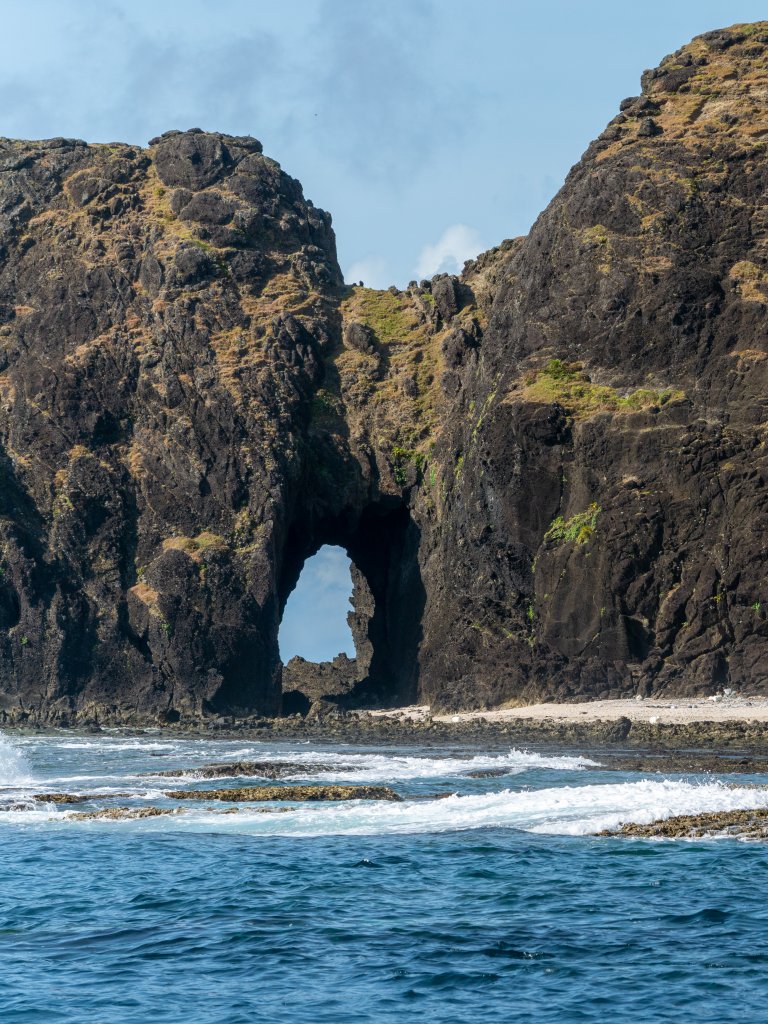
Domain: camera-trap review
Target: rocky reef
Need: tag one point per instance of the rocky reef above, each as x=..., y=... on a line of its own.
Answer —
x=751, y=825
x=549, y=472
x=293, y=793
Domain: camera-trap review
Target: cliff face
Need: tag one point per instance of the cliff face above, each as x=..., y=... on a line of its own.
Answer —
x=621, y=467
x=549, y=473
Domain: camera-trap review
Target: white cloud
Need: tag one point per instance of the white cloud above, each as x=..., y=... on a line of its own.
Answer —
x=371, y=270
x=457, y=244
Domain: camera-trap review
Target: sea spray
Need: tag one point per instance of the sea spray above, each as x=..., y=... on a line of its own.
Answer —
x=562, y=810
x=14, y=769
x=545, y=794
x=390, y=768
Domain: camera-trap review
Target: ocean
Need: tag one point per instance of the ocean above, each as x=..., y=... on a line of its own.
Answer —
x=482, y=897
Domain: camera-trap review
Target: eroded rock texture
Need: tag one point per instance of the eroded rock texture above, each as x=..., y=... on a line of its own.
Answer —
x=550, y=474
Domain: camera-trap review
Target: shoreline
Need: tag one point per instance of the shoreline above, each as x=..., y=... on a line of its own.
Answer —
x=653, y=710
x=728, y=725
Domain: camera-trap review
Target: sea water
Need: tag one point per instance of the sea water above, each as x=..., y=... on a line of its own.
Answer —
x=481, y=898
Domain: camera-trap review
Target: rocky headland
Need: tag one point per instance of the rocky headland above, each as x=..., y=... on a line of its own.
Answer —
x=549, y=472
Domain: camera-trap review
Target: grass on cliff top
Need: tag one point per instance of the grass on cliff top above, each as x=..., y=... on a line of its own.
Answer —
x=392, y=318
x=567, y=385
x=724, y=96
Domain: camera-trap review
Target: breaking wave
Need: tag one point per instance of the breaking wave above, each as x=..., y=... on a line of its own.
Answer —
x=14, y=768
x=564, y=810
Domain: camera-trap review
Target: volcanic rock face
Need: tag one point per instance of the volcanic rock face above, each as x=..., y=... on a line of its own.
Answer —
x=549, y=473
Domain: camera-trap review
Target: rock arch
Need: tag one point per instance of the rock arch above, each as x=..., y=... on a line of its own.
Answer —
x=388, y=599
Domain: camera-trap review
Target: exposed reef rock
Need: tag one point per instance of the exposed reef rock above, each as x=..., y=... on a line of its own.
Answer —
x=260, y=769
x=302, y=794
x=63, y=798
x=123, y=813
x=733, y=824
x=136, y=813
x=549, y=473
x=686, y=763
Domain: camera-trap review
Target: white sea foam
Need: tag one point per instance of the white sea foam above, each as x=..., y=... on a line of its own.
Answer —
x=14, y=769
x=113, y=744
x=122, y=780
x=566, y=810
x=387, y=768
x=554, y=809
x=393, y=768
x=594, y=808
x=340, y=765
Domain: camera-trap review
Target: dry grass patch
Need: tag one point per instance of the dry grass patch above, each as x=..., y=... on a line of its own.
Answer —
x=566, y=384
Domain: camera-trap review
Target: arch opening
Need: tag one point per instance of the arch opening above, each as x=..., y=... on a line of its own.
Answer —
x=387, y=601
x=315, y=623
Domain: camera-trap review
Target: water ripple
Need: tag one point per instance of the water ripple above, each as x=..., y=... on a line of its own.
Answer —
x=508, y=914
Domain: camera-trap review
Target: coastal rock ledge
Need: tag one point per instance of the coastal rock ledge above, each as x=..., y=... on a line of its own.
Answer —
x=549, y=472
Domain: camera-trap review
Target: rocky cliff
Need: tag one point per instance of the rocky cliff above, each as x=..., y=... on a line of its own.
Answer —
x=550, y=473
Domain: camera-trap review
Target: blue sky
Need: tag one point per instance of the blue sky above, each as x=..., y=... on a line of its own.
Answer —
x=315, y=619
x=430, y=129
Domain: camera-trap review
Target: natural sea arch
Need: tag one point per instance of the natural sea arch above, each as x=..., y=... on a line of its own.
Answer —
x=387, y=602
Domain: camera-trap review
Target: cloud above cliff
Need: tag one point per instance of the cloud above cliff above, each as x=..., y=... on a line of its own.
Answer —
x=457, y=244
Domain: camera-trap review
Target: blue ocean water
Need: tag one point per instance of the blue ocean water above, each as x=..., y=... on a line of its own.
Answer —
x=494, y=904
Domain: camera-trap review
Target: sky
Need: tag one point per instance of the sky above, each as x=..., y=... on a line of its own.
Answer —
x=315, y=619
x=430, y=129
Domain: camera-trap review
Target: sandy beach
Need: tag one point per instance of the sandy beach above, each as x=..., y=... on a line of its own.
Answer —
x=672, y=711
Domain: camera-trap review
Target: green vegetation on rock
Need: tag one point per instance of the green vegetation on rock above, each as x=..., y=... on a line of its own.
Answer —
x=390, y=317
x=401, y=458
x=325, y=406
x=576, y=530
x=568, y=385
